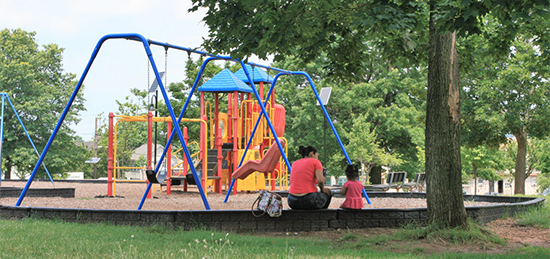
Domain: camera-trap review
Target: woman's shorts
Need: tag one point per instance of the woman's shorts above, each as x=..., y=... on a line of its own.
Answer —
x=310, y=201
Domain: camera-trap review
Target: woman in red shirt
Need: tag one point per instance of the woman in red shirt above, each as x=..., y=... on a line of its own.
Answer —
x=304, y=175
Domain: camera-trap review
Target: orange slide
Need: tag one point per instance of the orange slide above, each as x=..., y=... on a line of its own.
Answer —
x=265, y=165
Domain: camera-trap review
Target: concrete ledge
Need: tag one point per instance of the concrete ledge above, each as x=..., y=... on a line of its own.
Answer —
x=291, y=220
x=37, y=192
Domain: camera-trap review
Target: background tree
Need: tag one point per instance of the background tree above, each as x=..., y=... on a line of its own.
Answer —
x=509, y=96
x=363, y=147
x=485, y=163
x=390, y=102
x=542, y=149
x=393, y=103
x=34, y=80
x=536, y=160
x=341, y=28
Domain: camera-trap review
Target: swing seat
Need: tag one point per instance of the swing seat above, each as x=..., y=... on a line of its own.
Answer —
x=266, y=165
x=159, y=178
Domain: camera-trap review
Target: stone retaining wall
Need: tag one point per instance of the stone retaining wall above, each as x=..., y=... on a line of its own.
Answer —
x=37, y=192
x=291, y=220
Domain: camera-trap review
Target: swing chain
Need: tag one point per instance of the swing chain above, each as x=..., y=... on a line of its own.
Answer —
x=166, y=64
x=148, y=79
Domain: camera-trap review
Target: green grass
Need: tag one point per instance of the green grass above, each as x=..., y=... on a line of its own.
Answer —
x=432, y=234
x=32, y=238
x=536, y=217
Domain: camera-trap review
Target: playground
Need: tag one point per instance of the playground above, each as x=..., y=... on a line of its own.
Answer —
x=242, y=148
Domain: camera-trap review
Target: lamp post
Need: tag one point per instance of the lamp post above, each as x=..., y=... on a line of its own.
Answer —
x=325, y=96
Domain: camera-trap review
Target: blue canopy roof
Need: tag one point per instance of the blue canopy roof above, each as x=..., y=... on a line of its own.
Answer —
x=225, y=81
x=259, y=75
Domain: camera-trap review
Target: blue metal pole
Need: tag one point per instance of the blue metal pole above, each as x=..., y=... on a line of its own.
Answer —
x=61, y=119
x=68, y=106
x=28, y=136
x=326, y=116
x=146, y=43
x=262, y=106
x=129, y=36
x=185, y=149
x=1, y=137
x=202, y=53
x=254, y=132
x=332, y=126
x=174, y=120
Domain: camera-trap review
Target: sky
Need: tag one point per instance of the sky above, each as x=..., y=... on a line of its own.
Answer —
x=120, y=65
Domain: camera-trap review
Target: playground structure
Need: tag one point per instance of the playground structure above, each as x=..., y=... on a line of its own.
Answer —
x=114, y=170
x=263, y=113
x=219, y=149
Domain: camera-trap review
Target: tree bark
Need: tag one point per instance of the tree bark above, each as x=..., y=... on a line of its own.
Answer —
x=443, y=163
x=519, y=175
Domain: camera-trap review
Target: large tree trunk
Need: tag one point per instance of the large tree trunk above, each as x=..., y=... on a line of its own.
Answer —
x=443, y=164
x=519, y=175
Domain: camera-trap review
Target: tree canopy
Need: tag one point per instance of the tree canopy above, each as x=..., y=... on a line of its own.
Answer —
x=405, y=33
x=506, y=95
x=34, y=80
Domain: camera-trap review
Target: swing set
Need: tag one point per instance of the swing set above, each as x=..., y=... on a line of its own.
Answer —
x=5, y=98
x=177, y=131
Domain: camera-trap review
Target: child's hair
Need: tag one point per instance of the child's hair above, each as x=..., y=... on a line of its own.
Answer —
x=352, y=172
x=304, y=151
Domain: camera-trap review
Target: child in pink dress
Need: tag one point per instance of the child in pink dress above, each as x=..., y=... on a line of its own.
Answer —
x=352, y=189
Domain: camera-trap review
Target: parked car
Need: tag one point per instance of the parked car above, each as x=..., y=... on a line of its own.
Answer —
x=493, y=194
x=545, y=192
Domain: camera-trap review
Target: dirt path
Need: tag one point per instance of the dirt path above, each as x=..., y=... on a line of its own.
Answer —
x=516, y=235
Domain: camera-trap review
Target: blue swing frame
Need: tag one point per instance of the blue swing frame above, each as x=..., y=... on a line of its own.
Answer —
x=146, y=44
x=4, y=97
